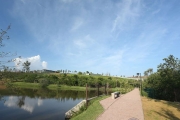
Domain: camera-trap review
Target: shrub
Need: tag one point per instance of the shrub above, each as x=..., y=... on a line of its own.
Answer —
x=43, y=83
x=30, y=77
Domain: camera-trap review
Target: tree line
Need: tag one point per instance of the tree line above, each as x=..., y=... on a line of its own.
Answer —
x=68, y=79
x=165, y=83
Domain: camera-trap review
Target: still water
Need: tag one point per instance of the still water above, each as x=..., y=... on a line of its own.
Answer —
x=38, y=104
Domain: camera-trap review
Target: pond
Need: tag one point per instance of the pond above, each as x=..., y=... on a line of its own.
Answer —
x=38, y=104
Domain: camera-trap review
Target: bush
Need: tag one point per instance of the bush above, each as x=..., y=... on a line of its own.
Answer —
x=58, y=84
x=53, y=79
x=30, y=77
x=144, y=93
x=43, y=83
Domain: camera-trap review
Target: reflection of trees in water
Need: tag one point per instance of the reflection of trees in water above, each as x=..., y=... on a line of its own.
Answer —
x=45, y=93
x=69, y=95
x=61, y=95
x=2, y=99
x=21, y=101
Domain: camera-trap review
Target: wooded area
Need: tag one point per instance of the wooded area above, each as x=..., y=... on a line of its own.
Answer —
x=165, y=83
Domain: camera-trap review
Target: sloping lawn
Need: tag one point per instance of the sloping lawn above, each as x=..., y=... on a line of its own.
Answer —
x=93, y=111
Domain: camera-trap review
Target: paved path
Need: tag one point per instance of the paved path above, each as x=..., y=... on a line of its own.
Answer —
x=125, y=107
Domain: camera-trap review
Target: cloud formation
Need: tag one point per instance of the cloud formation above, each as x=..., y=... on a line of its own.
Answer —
x=100, y=36
x=36, y=63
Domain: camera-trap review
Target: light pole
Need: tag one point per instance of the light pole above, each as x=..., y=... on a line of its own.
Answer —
x=140, y=81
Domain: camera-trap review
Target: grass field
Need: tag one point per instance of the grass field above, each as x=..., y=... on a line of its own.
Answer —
x=93, y=111
x=160, y=109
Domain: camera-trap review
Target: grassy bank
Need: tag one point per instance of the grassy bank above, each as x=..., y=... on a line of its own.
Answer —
x=160, y=109
x=65, y=87
x=25, y=85
x=51, y=86
x=93, y=111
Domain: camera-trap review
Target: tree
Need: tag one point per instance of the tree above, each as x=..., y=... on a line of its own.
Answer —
x=170, y=72
x=79, y=73
x=4, y=62
x=164, y=84
x=145, y=73
x=26, y=66
x=150, y=71
x=3, y=36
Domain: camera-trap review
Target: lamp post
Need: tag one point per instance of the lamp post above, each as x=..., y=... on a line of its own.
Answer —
x=140, y=81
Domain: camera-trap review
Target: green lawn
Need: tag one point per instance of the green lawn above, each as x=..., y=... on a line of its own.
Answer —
x=26, y=85
x=93, y=110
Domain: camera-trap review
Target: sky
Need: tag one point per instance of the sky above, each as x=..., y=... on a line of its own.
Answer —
x=120, y=37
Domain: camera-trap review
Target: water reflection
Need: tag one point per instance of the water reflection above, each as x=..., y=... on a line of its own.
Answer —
x=35, y=104
x=23, y=102
x=61, y=95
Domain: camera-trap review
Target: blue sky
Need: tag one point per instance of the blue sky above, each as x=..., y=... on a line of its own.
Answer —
x=120, y=37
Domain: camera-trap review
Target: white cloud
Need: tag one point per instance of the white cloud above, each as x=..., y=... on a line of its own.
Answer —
x=77, y=24
x=84, y=42
x=112, y=62
x=94, y=32
x=36, y=63
x=147, y=42
x=67, y=1
x=156, y=11
x=23, y=1
x=44, y=64
x=28, y=108
x=11, y=102
x=80, y=43
x=29, y=104
x=40, y=102
x=128, y=12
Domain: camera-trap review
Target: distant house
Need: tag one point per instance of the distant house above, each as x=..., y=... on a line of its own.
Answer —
x=95, y=74
x=37, y=71
x=48, y=71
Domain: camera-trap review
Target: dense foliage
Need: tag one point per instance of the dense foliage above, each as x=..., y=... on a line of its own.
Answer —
x=165, y=83
x=69, y=79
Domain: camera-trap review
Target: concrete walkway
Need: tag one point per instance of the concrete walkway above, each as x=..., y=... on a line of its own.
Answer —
x=125, y=107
